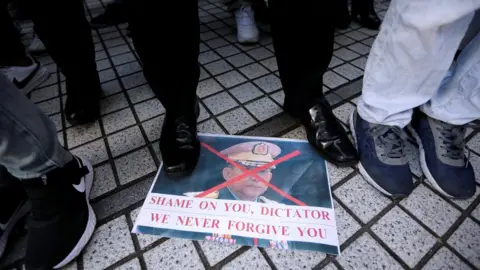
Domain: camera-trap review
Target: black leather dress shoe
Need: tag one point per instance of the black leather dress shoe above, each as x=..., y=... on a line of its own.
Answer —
x=364, y=13
x=179, y=145
x=326, y=135
x=80, y=112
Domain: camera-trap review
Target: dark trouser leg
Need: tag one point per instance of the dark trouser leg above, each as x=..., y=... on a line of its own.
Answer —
x=171, y=68
x=63, y=28
x=303, y=40
x=11, y=46
x=170, y=64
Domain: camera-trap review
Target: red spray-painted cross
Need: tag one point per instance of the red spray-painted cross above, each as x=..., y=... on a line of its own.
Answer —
x=253, y=173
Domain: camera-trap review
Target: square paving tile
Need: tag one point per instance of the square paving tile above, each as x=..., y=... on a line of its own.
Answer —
x=153, y=127
x=118, y=120
x=269, y=83
x=103, y=182
x=360, y=62
x=204, y=114
x=81, y=134
x=239, y=60
x=140, y=93
x=118, y=50
x=359, y=48
x=134, y=165
x=113, y=103
x=50, y=106
x=216, y=252
x=279, y=97
x=335, y=174
x=466, y=240
x=346, y=54
x=343, y=112
x=143, y=239
x=245, y=92
x=260, y=53
x=251, y=259
x=173, y=254
x=95, y=152
x=123, y=58
x=131, y=265
x=227, y=50
x=476, y=213
x=346, y=224
x=264, y=108
x=44, y=93
x=368, y=202
x=343, y=40
x=110, y=88
x=218, y=67
x=365, y=254
x=57, y=121
x=149, y=109
x=236, y=120
x=431, y=209
x=220, y=102
x=444, y=259
x=357, y=35
x=298, y=133
x=106, y=75
x=125, y=140
x=133, y=80
x=210, y=126
x=208, y=87
x=270, y=63
x=333, y=80
x=128, y=68
x=253, y=71
x=335, y=62
x=217, y=42
x=110, y=243
x=348, y=71
x=294, y=259
x=231, y=79
x=207, y=57
x=404, y=236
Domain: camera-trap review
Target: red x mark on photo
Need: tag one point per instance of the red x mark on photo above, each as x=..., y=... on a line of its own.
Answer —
x=252, y=173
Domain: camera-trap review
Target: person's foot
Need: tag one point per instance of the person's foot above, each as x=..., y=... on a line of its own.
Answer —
x=28, y=77
x=36, y=47
x=62, y=220
x=83, y=101
x=383, y=161
x=114, y=14
x=179, y=145
x=14, y=207
x=366, y=16
x=326, y=134
x=342, y=19
x=442, y=156
x=247, y=30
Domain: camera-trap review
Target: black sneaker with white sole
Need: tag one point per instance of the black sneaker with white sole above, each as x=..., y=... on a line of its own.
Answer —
x=13, y=206
x=62, y=220
x=26, y=78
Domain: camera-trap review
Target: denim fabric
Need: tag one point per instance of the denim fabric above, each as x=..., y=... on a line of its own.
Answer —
x=411, y=56
x=29, y=147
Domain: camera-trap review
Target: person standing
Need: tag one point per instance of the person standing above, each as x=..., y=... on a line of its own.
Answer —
x=362, y=11
x=414, y=51
x=68, y=39
x=172, y=70
x=34, y=164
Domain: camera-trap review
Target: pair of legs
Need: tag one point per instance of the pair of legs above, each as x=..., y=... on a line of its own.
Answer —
x=68, y=39
x=411, y=65
x=33, y=163
x=171, y=68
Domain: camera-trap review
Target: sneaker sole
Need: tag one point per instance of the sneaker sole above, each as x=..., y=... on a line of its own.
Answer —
x=362, y=170
x=92, y=220
x=41, y=76
x=17, y=216
x=423, y=164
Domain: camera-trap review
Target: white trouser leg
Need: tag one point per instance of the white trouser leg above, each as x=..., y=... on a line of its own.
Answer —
x=458, y=99
x=410, y=57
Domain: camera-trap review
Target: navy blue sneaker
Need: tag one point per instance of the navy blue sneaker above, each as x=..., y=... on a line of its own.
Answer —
x=383, y=161
x=442, y=156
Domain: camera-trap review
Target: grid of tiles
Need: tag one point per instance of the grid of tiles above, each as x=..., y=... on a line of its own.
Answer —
x=240, y=93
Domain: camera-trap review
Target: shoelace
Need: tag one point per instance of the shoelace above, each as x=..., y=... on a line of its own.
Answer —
x=246, y=11
x=453, y=138
x=184, y=136
x=391, y=139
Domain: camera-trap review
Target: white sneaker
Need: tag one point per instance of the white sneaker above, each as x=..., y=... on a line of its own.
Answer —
x=247, y=30
x=26, y=78
x=36, y=47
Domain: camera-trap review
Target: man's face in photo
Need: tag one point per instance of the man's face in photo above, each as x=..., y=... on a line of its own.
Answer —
x=248, y=188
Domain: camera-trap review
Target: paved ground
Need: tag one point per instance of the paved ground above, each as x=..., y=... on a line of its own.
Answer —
x=241, y=94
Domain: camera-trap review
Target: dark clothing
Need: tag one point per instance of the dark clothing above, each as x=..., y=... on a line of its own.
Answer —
x=63, y=28
x=302, y=37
